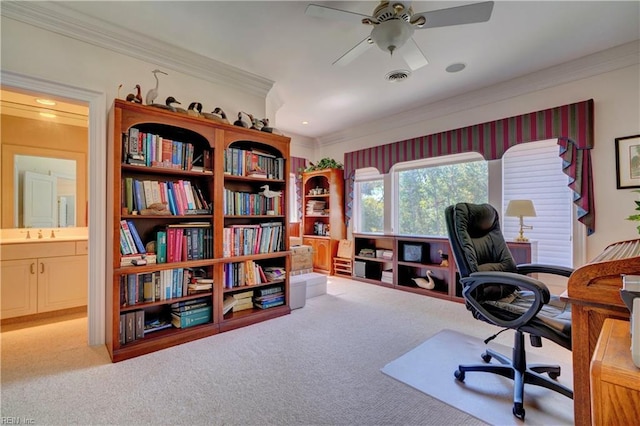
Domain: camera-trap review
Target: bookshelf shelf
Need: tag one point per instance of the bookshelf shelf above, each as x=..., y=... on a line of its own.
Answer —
x=185, y=164
x=323, y=220
x=425, y=255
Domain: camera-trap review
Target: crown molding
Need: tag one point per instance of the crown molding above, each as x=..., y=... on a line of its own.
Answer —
x=598, y=63
x=57, y=18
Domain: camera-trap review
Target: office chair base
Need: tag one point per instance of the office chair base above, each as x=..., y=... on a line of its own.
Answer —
x=519, y=372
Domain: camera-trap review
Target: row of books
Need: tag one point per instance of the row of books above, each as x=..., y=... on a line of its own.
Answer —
x=247, y=203
x=238, y=302
x=130, y=241
x=154, y=286
x=243, y=240
x=269, y=297
x=132, y=326
x=179, y=197
x=240, y=274
x=151, y=150
x=182, y=242
x=190, y=313
x=253, y=163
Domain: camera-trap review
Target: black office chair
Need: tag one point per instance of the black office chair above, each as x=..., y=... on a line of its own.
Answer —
x=500, y=293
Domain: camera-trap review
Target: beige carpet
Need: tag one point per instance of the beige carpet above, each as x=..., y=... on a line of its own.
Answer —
x=429, y=368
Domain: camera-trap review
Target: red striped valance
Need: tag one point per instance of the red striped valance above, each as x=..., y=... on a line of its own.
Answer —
x=571, y=124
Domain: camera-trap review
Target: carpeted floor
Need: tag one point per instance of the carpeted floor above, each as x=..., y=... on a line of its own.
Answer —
x=430, y=366
x=318, y=366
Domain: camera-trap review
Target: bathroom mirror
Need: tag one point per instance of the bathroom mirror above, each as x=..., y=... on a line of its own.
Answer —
x=48, y=188
x=44, y=192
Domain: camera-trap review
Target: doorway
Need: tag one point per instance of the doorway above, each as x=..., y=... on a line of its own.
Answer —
x=96, y=172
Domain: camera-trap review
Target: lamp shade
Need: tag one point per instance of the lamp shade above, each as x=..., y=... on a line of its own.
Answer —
x=392, y=34
x=521, y=208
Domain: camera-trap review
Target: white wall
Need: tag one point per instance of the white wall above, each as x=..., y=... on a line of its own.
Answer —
x=39, y=53
x=616, y=96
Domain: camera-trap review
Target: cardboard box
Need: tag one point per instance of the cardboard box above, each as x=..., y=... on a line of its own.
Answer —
x=301, y=258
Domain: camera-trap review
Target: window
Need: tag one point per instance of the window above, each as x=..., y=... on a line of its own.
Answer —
x=533, y=171
x=368, y=200
x=424, y=188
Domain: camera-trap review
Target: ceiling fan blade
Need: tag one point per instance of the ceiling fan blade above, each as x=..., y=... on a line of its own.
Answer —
x=355, y=51
x=413, y=55
x=469, y=14
x=336, y=14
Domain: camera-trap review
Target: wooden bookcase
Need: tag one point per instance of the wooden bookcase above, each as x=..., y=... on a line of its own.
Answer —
x=405, y=257
x=205, y=253
x=323, y=228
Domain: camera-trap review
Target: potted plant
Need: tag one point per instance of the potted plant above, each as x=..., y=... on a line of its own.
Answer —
x=325, y=163
x=636, y=217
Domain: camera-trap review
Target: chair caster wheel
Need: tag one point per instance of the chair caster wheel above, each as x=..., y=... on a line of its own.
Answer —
x=486, y=357
x=459, y=375
x=518, y=410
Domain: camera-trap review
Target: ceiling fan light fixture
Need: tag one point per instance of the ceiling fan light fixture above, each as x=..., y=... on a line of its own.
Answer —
x=391, y=35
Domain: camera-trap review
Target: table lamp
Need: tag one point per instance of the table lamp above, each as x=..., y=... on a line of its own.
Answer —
x=521, y=208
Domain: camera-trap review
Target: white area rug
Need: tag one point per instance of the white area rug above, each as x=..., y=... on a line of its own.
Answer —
x=429, y=368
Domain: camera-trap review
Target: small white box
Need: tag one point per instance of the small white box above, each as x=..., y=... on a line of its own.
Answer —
x=298, y=293
x=315, y=284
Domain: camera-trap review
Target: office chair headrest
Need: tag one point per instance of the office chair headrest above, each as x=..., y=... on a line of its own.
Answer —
x=481, y=219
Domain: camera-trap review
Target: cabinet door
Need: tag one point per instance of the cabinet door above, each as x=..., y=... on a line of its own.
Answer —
x=19, y=288
x=322, y=255
x=62, y=282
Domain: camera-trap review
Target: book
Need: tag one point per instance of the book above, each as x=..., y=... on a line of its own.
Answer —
x=161, y=246
x=184, y=321
x=127, y=260
x=228, y=304
x=136, y=237
x=269, y=305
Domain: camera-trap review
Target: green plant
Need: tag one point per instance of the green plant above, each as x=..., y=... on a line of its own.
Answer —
x=325, y=163
x=636, y=217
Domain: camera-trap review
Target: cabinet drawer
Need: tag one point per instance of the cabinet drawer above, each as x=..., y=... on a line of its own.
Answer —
x=32, y=250
x=82, y=247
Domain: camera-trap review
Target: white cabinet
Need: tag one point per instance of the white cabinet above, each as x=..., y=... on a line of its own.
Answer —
x=19, y=282
x=42, y=277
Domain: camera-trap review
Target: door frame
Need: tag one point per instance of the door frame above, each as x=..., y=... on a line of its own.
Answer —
x=97, y=175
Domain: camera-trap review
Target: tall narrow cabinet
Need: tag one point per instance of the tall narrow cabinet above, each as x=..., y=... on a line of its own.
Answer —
x=323, y=224
x=190, y=192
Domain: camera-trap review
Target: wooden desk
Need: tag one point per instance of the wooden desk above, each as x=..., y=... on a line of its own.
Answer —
x=615, y=380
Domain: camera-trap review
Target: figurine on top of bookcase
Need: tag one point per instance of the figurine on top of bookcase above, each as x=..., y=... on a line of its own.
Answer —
x=152, y=94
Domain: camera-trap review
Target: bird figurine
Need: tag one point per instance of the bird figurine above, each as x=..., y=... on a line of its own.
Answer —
x=135, y=98
x=427, y=282
x=256, y=124
x=153, y=93
x=240, y=122
x=170, y=101
x=269, y=193
x=195, y=109
x=219, y=112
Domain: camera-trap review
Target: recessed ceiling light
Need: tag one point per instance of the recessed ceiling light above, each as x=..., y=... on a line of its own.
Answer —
x=48, y=102
x=305, y=122
x=48, y=115
x=459, y=66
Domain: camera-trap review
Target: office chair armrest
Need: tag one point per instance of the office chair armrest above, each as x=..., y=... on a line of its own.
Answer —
x=538, y=268
x=478, y=279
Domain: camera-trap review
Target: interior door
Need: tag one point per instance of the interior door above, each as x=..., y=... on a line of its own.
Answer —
x=40, y=201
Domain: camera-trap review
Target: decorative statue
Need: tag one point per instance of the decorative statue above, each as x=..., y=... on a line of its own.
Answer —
x=137, y=97
x=153, y=93
x=269, y=193
x=195, y=109
x=240, y=122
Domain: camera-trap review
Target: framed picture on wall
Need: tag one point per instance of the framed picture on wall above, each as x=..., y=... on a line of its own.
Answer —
x=628, y=162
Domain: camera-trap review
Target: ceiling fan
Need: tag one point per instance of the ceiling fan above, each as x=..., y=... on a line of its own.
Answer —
x=393, y=25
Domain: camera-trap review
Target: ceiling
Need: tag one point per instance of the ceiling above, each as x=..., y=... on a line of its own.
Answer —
x=28, y=105
x=277, y=41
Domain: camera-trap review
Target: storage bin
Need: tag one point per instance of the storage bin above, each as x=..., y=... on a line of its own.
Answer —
x=298, y=293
